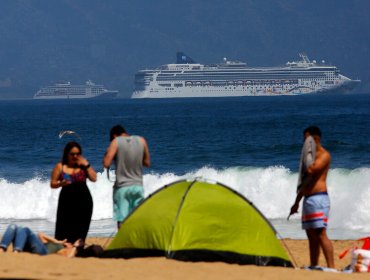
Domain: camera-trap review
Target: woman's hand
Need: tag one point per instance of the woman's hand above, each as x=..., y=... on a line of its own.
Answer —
x=64, y=183
x=82, y=162
x=64, y=241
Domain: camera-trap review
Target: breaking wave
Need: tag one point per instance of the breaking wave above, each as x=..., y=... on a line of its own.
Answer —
x=271, y=189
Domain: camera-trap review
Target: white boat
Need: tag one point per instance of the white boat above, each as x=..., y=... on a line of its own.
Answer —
x=69, y=91
x=186, y=78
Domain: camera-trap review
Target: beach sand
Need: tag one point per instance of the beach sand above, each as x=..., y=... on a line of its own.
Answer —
x=29, y=266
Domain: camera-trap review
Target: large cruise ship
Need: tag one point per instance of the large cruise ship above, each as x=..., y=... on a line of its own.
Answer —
x=69, y=91
x=186, y=78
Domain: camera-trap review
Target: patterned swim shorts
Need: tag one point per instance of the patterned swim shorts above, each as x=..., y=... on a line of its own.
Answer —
x=315, y=211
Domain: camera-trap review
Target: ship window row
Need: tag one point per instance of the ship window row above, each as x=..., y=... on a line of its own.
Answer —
x=142, y=82
x=72, y=88
x=237, y=77
x=237, y=82
x=253, y=71
x=244, y=74
x=141, y=85
x=72, y=91
x=248, y=74
x=182, y=76
x=143, y=76
x=258, y=71
x=251, y=79
x=194, y=78
x=230, y=90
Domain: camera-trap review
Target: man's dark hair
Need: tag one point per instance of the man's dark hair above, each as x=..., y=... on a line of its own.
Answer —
x=313, y=130
x=116, y=130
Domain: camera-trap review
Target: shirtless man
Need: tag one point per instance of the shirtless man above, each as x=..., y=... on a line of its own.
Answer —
x=316, y=203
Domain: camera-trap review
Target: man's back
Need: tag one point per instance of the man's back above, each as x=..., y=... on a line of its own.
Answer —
x=129, y=161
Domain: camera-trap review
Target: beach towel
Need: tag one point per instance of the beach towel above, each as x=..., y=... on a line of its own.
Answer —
x=308, y=155
x=320, y=268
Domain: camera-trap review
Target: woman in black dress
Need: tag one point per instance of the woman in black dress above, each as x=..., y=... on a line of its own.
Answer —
x=75, y=203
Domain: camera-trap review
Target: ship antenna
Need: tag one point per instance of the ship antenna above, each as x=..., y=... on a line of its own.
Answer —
x=304, y=57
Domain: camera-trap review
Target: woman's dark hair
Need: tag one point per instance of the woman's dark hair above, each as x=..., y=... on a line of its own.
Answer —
x=68, y=148
x=116, y=130
x=90, y=251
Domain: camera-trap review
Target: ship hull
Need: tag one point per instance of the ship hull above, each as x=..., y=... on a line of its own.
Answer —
x=78, y=96
x=239, y=91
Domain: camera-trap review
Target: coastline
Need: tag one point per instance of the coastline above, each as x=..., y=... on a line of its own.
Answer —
x=29, y=266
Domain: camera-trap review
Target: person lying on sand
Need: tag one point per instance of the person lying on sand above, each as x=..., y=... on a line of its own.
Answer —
x=25, y=240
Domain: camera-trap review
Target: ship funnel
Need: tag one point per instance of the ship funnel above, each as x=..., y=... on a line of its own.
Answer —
x=182, y=58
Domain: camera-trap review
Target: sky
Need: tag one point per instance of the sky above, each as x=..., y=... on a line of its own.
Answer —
x=43, y=42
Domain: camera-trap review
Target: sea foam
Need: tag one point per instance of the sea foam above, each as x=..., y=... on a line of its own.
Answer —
x=272, y=191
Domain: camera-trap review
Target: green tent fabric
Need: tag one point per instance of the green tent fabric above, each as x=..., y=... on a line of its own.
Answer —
x=199, y=220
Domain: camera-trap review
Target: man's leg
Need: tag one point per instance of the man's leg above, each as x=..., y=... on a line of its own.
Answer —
x=314, y=244
x=327, y=247
x=123, y=210
x=119, y=224
x=120, y=205
x=135, y=196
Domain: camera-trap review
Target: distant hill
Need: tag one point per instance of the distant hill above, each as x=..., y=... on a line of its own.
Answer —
x=42, y=41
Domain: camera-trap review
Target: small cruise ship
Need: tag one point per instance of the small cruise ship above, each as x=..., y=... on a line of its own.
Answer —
x=186, y=78
x=69, y=91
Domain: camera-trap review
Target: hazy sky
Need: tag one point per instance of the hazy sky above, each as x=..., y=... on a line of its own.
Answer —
x=108, y=41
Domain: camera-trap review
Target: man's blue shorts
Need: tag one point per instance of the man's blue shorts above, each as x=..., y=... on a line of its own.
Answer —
x=125, y=200
x=315, y=212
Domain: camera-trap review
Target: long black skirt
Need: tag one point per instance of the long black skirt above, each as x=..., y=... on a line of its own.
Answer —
x=74, y=212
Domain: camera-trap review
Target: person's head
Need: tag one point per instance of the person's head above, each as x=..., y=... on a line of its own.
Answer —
x=91, y=251
x=116, y=131
x=314, y=131
x=71, y=152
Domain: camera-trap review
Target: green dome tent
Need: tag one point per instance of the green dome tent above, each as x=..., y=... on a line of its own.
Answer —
x=197, y=220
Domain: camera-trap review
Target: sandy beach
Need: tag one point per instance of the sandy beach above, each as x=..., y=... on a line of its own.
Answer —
x=28, y=266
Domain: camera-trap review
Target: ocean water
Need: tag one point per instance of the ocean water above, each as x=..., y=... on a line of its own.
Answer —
x=251, y=144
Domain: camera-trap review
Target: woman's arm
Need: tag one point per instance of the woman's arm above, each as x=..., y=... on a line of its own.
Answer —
x=46, y=238
x=55, y=182
x=91, y=174
x=83, y=163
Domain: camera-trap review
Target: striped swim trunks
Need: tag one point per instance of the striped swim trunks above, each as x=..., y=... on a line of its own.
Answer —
x=315, y=212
